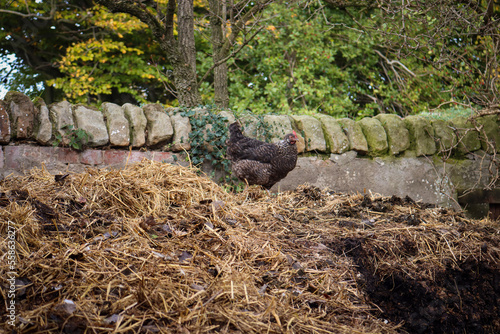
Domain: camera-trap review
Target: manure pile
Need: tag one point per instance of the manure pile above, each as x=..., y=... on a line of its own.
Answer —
x=156, y=248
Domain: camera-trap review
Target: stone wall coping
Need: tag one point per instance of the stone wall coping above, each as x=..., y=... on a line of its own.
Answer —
x=155, y=128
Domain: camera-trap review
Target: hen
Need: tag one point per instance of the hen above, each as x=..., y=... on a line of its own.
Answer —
x=257, y=162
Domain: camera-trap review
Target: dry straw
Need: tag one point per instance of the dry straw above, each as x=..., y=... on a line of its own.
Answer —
x=158, y=248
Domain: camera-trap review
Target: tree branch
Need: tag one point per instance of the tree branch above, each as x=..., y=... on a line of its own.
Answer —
x=134, y=9
x=391, y=62
x=169, y=23
x=53, y=9
x=234, y=53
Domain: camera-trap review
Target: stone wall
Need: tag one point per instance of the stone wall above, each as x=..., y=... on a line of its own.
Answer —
x=386, y=154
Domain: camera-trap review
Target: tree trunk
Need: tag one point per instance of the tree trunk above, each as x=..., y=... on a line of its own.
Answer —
x=184, y=73
x=184, y=60
x=221, y=94
x=217, y=22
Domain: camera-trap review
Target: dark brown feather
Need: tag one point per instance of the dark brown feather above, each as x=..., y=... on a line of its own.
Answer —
x=257, y=162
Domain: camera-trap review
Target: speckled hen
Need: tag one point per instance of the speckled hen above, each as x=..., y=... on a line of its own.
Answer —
x=261, y=163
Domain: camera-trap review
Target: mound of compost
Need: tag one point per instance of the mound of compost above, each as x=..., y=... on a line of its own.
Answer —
x=159, y=248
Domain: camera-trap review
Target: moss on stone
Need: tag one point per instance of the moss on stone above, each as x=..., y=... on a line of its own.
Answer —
x=489, y=134
x=313, y=132
x=445, y=136
x=421, y=135
x=375, y=136
x=336, y=140
x=357, y=140
x=468, y=136
x=398, y=137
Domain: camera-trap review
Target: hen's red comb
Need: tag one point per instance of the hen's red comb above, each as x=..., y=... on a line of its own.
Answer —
x=294, y=133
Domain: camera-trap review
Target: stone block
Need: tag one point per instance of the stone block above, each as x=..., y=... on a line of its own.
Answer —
x=421, y=135
x=489, y=134
x=398, y=137
x=182, y=128
x=172, y=110
x=115, y=157
x=92, y=122
x=336, y=140
x=354, y=133
x=22, y=115
x=117, y=124
x=278, y=126
x=122, y=157
x=467, y=135
x=137, y=156
x=229, y=115
x=253, y=126
x=445, y=136
x=273, y=128
x=312, y=132
x=61, y=117
x=22, y=158
x=344, y=158
x=159, y=126
x=137, y=122
x=43, y=127
x=230, y=119
x=4, y=124
x=47, y=154
x=375, y=136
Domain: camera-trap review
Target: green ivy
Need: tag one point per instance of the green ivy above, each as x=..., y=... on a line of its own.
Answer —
x=77, y=138
x=208, y=138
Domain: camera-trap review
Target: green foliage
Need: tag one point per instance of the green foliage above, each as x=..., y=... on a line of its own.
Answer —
x=317, y=71
x=83, y=53
x=208, y=139
x=294, y=66
x=355, y=61
x=108, y=65
x=448, y=47
x=96, y=67
x=77, y=139
x=311, y=59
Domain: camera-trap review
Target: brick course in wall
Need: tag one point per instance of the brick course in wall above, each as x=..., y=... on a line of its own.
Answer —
x=22, y=157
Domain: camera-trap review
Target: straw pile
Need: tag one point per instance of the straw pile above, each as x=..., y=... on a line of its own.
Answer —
x=156, y=248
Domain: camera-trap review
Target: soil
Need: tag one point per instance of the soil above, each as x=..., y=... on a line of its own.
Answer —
x=462, y=297
x=464, y=300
